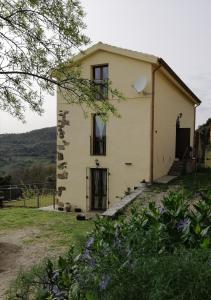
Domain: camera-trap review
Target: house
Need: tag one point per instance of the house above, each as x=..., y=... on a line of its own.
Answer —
x=203, y=145
x=97, y=162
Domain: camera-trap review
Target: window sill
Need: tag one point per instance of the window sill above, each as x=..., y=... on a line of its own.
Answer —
x=91, y=154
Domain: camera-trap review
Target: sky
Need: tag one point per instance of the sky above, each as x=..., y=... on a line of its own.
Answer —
x=179, y=31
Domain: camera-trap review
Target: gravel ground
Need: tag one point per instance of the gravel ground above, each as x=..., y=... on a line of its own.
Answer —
x=17, y=254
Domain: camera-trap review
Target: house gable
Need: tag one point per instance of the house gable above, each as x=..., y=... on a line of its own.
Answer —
x=147, y=58
x=123, y=71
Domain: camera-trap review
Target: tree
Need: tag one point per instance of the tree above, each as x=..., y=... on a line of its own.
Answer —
x=37, y=39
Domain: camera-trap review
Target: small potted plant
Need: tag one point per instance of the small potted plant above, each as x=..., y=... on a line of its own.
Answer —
x=81, y=217
x=143, y=183
x=60, y=206
x=68, y=207
x=77, y=209
x=128, y=191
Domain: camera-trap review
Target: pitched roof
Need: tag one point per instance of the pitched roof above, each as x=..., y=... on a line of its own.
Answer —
x=179, y=80
x=136, y=55
x=116, y=50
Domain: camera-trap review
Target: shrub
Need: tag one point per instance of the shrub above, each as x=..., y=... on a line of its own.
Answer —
x=180, y=221
x=183, y=275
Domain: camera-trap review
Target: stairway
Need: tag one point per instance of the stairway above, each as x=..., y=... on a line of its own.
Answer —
x=177, y=168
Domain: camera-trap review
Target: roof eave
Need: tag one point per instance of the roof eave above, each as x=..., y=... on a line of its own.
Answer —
x=115, y=50
x=179, y=80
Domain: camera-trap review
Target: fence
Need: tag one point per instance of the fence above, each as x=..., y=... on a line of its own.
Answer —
x=31, y=196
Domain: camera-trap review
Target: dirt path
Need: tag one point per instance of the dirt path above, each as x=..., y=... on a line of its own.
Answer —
x=16, y=252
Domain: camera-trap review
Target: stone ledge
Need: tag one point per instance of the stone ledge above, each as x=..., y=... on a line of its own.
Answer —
x=165, y=179
x=118, y=207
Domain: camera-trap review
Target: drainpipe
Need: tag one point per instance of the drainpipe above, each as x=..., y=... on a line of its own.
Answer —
x=153, y=122
x=194, y=127
x=195, y=151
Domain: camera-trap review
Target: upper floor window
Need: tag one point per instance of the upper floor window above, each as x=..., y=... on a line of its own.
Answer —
x=100, y=77
x=98, y=142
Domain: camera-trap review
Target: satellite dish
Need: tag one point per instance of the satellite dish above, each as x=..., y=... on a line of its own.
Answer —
x=140, y=84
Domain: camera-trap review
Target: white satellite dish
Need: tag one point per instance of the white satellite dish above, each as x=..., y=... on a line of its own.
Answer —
x=140, y=84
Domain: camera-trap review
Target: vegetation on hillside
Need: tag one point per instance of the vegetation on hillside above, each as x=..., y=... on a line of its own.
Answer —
x=28, y=157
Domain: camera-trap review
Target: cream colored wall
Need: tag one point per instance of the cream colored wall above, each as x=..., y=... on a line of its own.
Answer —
x=128, y=138
x=169, y=102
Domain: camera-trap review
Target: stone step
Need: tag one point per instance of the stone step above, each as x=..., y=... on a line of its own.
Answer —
x=175, y=173
x=176, y=168
x=120, y=205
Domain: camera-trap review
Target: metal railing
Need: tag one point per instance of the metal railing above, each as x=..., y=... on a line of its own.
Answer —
x=100, y=89
x=31, y=196
x=186, y=153
x=98, y=145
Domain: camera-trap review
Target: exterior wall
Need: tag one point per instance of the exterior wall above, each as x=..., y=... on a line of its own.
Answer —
x=128, y=137
x=169, y=103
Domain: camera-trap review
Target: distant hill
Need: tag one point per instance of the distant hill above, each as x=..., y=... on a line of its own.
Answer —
x=26, y=149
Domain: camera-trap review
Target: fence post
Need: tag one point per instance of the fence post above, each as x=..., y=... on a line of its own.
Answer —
x=1, y=200
x=38, y=199
x=54, y=200
x=10, y=192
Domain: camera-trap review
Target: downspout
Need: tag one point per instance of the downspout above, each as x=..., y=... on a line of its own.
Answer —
x=153, y=122
x=194, y=127
x=195, y=151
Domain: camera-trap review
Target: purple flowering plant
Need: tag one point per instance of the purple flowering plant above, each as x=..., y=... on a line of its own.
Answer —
x=104, y=282
x=178, y=222
x=183, y=224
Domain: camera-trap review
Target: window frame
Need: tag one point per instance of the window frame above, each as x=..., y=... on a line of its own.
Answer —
x=94, y=140
x=101, y=82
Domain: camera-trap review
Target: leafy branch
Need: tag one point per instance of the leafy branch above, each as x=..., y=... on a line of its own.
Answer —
x=36, y=37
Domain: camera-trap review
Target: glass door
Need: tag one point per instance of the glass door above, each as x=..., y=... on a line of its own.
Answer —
x=98, y=189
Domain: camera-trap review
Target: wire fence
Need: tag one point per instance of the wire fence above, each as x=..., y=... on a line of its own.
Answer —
x=31, y=195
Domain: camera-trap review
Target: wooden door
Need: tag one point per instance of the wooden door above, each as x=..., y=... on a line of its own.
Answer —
x=182, y=142
x=98, y=189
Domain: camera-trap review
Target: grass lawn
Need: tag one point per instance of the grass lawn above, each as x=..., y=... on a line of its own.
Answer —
x=57, y=228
